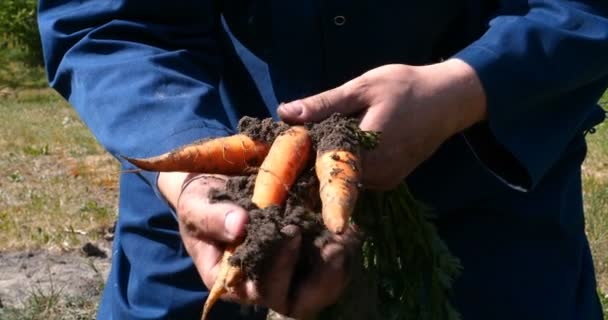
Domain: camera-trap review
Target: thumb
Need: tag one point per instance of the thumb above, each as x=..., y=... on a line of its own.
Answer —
x=319, y=107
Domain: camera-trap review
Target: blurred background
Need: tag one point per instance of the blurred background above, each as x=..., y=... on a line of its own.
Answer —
x=58, y=189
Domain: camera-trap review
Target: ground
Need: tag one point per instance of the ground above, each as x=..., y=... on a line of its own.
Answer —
x=58, y=193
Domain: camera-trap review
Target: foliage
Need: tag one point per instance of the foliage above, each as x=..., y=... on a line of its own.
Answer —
x=19, y=29
x=404, y=246
x=407, y=270
x=16, y=74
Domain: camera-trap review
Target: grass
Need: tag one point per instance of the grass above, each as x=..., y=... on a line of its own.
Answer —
x=54, y=177
x=595, y=185
x=52, y=304
x=16, y=73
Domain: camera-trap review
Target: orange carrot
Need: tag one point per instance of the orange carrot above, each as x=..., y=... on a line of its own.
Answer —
x=219, y=287
x=287, y=157
x=339, y=174
x=228, y=277
x=226, y=155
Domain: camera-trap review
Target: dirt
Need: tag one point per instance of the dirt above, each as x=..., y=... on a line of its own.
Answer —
x=265, y=130
x=267, y=231
x=337, y=132
x=271, y=227
x=69, y=274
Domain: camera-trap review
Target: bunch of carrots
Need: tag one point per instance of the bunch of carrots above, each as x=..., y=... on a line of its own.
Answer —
x=278, y=164
x=406, y=269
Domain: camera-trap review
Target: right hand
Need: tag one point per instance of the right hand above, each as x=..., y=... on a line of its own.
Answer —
x=206, y=228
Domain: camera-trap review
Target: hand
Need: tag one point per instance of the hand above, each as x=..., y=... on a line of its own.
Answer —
x=415, y=108
x=206, y=228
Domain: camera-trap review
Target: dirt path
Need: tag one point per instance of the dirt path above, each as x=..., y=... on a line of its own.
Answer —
x=23, y=274
x=43, y=273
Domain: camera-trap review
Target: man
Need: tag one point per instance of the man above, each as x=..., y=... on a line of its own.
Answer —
x=483, y=107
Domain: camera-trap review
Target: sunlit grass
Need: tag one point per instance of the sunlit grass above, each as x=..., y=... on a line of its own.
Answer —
x=595, y=185
x=56, y=183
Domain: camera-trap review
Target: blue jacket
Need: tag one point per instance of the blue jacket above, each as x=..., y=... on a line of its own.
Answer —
x=147, y=76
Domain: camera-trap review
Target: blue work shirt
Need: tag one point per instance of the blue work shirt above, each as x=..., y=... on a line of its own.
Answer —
x=148, y=76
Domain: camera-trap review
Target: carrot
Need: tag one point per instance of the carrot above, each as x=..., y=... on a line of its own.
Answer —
x=219, y=287
x=287, y=157
x=226, y=155
x=339, y=174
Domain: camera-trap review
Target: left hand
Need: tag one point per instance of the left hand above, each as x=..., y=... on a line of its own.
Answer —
x=415, y=108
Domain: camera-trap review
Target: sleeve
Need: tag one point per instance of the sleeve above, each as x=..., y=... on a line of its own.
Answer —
x=543, y=66
x=142, y=74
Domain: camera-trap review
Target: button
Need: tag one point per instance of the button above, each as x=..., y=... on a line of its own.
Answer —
x=339, y=20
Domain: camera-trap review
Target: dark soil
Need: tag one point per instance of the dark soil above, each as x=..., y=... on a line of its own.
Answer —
x=265, y=130
x=337, y=132
x=268, y=229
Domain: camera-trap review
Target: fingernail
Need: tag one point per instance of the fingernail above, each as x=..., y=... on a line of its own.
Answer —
x=232, y=224
x=291, y=109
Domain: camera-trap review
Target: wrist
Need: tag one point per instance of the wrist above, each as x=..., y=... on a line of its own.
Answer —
x=462, y=99
x=170, y=185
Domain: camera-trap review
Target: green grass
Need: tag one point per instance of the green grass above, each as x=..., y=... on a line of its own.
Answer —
x=604, y=300
x=15, y=73
x=55, y=179
x=53, y=304
x=595, y=185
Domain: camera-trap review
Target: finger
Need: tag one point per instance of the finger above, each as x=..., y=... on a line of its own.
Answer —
x=343, y=99
x=206, y=256
x=351, y=239
x=329, y=277
x=244, y=293
x=273, y=287
x=323, y=287
x=222, y=222
x=275, y=284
